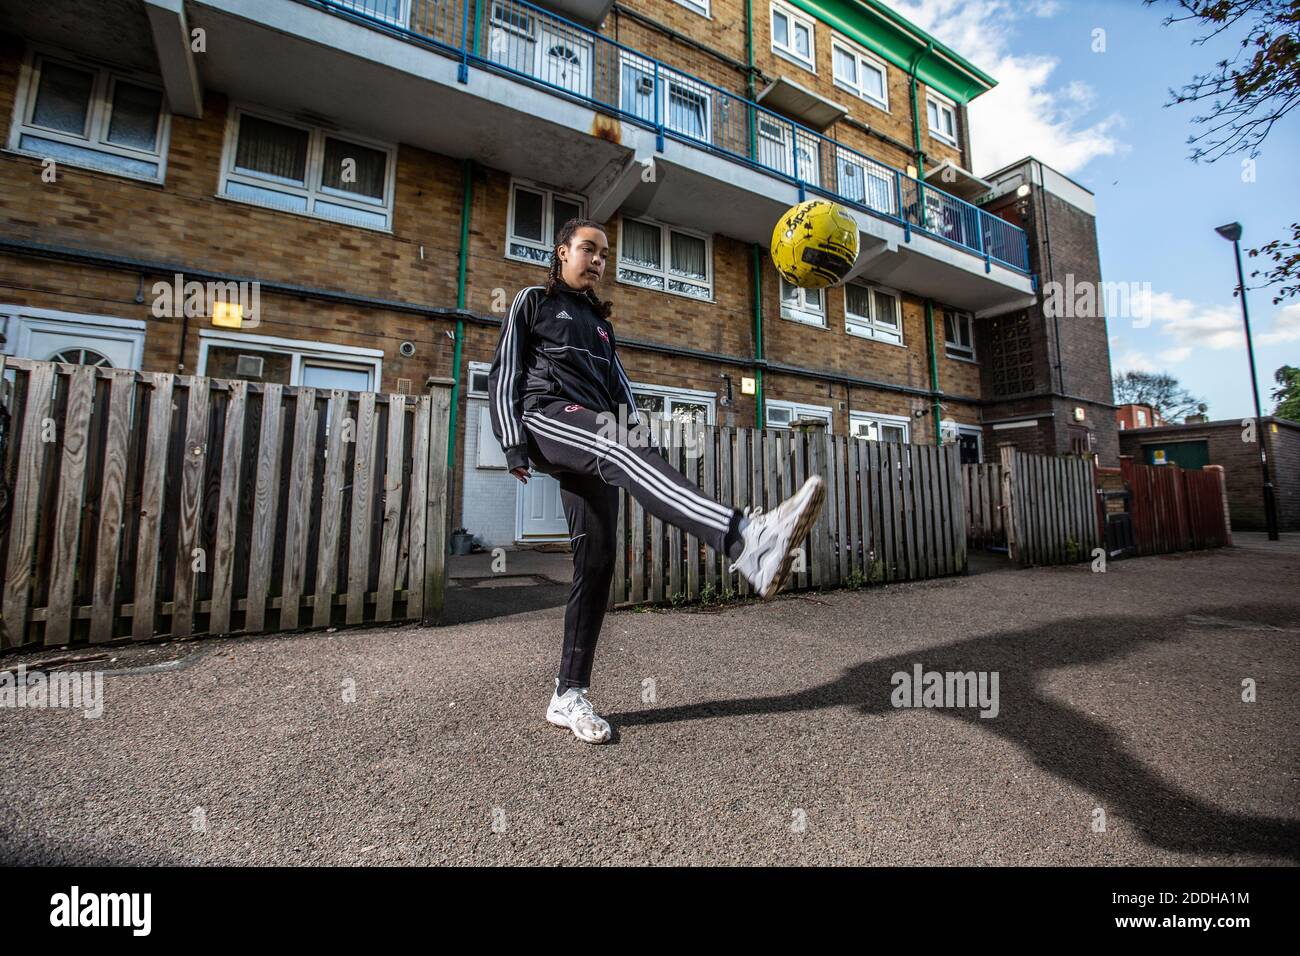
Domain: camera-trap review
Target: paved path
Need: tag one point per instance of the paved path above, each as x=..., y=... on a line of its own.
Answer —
x=771, y=736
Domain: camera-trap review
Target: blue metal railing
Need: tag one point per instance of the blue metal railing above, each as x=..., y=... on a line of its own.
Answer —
x=544, y=48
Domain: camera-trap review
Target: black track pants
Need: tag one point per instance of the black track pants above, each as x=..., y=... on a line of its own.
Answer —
x=591, y=462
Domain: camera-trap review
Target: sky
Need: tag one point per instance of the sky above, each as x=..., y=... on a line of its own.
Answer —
x=1100, y=117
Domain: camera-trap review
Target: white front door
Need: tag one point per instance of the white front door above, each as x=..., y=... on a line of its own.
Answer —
x=49, y=336
x=541, y=510
x=564, y=60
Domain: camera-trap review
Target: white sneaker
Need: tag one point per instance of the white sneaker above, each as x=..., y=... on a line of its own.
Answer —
x=572, y=709
x=771, y=538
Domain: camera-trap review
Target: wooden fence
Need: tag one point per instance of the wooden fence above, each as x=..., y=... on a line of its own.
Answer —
x=985, y=524
x=1051, y=513
x=148, y=504
x=893, y=511
x=1175, y=510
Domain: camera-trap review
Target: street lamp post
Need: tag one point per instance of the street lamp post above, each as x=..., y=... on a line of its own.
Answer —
x=1232, y=232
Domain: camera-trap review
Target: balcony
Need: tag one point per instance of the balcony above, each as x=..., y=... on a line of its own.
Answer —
x=525, y=90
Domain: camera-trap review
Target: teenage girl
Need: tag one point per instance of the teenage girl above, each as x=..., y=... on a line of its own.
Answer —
x=560, y=399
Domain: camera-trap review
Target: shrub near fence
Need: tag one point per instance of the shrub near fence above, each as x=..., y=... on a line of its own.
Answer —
x=148, y=504
x=893, y=511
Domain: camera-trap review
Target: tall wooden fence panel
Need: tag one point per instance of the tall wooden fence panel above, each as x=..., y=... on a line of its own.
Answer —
x=1173, y=509
x=1052, y=513
x=893, y=512
x=146, y=504
x=985, y=507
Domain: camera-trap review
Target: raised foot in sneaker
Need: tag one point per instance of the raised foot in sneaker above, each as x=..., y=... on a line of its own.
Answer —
x=772, y=537
x=572, y=709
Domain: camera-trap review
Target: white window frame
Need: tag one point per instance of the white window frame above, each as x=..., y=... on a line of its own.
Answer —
x=809, y=170
x=949, y=346
x=870, y=326
x=669, y=394
x=876, y=420
x=301, y=351
x=702, y=7
x=869, y=170
x=794, y=16
x=18, y=322
x=665, y=247
x=98, y=115
x=477, y=368
x=803, y=312
x=942, y=103
x=313, y=190
x=548, y=219
x=798, y=410
x=667, y=79
x=863, y=58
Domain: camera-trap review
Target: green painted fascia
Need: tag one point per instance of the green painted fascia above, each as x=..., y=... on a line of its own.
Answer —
x=897, y=40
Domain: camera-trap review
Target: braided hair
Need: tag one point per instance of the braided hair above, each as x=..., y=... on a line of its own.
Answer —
x=553, y=277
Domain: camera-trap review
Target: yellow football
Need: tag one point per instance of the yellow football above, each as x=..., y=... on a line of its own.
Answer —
x=815, y=244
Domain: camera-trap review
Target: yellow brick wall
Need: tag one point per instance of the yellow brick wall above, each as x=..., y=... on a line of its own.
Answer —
x=724, y=33
x=184, y=222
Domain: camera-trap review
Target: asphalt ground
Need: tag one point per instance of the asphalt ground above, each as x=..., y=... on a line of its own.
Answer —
x=759, y=733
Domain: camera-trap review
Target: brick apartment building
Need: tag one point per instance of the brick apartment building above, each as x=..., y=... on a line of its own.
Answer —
x=390, y=172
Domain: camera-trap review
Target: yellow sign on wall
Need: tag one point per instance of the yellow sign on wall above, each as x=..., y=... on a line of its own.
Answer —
x=228, y=315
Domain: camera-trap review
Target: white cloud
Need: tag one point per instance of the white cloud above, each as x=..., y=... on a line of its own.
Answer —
x=1134, y=361
x=1195, y=326
x=1024, y=114
x=1286, y=327
x=1176, y=355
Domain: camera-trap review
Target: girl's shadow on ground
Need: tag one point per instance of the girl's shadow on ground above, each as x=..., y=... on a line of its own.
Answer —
x=1062, y=741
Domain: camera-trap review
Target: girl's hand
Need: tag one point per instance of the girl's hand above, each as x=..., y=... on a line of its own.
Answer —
x=521, y=474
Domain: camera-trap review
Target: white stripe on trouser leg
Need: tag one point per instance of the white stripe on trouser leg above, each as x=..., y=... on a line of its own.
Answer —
x=653, y=487
x=690, y=498
x=675, y=496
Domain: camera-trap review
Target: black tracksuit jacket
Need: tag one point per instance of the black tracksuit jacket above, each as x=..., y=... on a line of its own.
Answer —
x=553, y=347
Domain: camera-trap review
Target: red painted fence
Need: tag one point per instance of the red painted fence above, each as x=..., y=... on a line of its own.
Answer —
x=1173, y=509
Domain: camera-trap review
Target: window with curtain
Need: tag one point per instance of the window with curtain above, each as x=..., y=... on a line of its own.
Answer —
x=872, y=312
x=536, y=217
x=942, y=117
x=298, y=168
x=859, y=73
x=792, y=36
x=802, y=305
x=353, y=169
x=659, y=257
x=92, y=117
